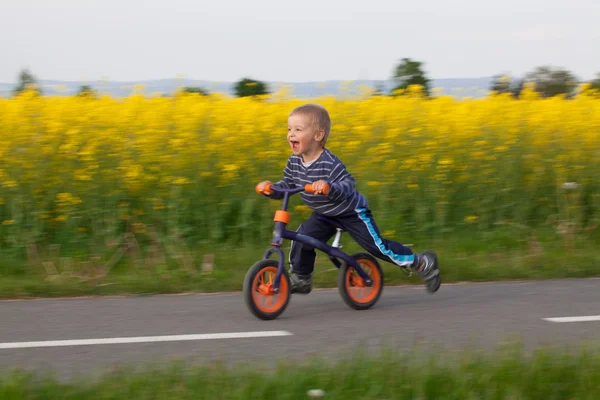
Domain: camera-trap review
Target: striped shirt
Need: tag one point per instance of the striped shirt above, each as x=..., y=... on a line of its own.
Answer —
x=342, y=197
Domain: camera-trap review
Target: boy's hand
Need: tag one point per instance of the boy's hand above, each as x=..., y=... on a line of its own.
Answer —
x=320, y=187
x=263, y=188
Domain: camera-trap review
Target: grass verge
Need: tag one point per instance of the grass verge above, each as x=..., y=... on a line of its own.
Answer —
x=506, y=373
x=504, y=254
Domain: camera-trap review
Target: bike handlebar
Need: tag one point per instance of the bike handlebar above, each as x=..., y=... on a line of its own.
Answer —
x=269, y=188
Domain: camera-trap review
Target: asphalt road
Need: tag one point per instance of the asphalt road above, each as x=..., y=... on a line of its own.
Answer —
x=457, y=317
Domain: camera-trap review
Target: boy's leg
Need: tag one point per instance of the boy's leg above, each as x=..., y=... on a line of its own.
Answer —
x=363, y=229
x=302, y=256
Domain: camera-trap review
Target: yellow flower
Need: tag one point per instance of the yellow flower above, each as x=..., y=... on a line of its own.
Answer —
x=181, y=181
x=104, y=158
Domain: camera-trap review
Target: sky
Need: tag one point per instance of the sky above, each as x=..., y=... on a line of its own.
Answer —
x=294, y=41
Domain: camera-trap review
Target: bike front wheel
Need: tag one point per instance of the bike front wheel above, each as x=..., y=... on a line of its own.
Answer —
x=259, y=296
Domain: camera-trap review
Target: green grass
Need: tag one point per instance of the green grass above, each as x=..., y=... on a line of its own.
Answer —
x=505, y=254
x=508, y=373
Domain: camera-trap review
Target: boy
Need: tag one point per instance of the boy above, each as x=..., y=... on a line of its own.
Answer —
x=308, y=129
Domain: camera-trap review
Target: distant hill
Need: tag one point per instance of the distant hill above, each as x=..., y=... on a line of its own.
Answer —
x=459, y=87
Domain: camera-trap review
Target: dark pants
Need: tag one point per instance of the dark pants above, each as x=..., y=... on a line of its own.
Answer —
x=361, y=227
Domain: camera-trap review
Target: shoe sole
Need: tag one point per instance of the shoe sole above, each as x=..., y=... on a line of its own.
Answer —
x=302, y=290
x=433, y=283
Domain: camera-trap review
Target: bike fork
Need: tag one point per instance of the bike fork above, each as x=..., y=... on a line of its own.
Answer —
x=276, y=249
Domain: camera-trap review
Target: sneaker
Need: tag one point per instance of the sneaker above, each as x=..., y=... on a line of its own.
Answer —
x=301, y=284
x=428, y=269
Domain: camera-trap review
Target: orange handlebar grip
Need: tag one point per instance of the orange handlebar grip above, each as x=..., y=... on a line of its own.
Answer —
x=265, y=189
x=309, y=188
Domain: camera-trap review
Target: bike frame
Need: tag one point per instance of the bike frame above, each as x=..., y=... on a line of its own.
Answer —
x=280, y=233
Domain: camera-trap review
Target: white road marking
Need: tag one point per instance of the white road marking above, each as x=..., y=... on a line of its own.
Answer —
x=143, y=339
x=574, y=319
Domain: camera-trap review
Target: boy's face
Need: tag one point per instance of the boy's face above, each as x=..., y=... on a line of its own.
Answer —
x=303, y=136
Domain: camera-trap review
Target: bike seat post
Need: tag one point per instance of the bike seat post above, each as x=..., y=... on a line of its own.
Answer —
x=336, y=240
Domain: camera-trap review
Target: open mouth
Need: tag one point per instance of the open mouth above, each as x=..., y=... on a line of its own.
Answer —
x=295, y=144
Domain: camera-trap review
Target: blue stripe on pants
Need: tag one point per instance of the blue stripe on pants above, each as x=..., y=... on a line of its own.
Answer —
x=399, y=259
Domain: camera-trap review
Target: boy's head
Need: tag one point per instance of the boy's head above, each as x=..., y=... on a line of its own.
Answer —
x=308, y=128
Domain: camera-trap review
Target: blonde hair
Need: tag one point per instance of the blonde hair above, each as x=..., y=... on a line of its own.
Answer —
x=319, y=115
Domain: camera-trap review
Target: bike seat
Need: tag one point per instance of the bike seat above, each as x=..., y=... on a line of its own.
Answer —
x=331, y=222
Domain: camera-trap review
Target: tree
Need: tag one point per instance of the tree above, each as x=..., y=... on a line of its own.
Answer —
x=409, y=72
x=379, y=90
x=26, y=81
x=86, y=91
x=595, y=84
x=250, y=87
x=550, y=81
x=505, y=84
x=518, y=88
x=501, y=84
x=194, y=89
x=592, y=87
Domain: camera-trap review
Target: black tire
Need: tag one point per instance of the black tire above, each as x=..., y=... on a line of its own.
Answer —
x=377, y=287
x=285, y=290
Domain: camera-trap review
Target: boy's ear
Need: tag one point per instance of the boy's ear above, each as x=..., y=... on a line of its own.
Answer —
x=320, y=135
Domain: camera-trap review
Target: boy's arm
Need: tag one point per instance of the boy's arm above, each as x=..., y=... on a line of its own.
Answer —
x=287, y=182
x=342, y=184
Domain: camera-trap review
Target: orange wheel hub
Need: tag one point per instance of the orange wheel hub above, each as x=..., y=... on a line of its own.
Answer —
x=356, y=287
x=263, y=293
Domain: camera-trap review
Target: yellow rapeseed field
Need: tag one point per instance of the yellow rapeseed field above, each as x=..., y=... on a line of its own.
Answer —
x=77, y=169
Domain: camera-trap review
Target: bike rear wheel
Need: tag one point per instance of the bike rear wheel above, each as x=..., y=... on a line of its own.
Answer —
x=259, y=296
x=353, y=290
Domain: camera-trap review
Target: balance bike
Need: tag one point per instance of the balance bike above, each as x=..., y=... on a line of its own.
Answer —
x=267, y=287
